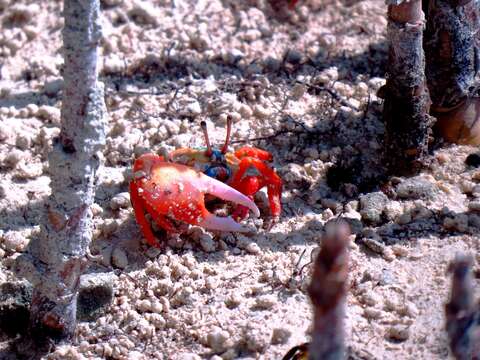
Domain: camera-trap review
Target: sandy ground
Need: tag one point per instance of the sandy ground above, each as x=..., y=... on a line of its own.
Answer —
x=299, y=84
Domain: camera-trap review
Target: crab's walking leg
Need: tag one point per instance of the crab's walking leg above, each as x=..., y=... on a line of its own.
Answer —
x=268, y=177
x=139, y=211
x=247, y=151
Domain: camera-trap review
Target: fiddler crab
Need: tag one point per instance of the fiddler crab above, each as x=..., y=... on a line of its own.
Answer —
x=172, y=188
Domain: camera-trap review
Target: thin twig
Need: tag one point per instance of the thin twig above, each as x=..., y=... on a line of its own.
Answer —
x=328, y=291
x=462, y=313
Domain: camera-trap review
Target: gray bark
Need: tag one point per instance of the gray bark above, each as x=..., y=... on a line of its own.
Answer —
x=407, y=102
x=452, y=47
x=327, y=292
x=56, y=259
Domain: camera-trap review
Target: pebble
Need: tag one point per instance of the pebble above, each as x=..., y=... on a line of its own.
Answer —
x=458, y=223
x=253, y=248
x=474, y=205
x=370, y=298
x=207, y=243
x=192, y=109
x=261, y=112
x=373, y=241
x=113, y=64
x=467, y=186
x=188, y=356
x=14, y=157
x=178, y=270
x=233, y=56
x=157, y=320
x=404, y=219
x=107, y=350
x=211, y=283
x=184, y=296
x=398, y=332
x=49, y=113
x=293, y=57
x=298, y=91
x=327, y=214
x=53, y=87
x=245, y=111
x=399, y=250
x=233, y=300
x=217, y=339
x=265, y=302
x=393, y=210
x=416, y=188
x=29, y=170
x=5, y=132
x=388, y=254
x=476, y=175
x=15, y=298
x=137, y=355
x=95, y=294
x=257, y=337
x=143, y=305
x=332, y=204
x=271, y=64
x=14, y=241
x=144, y=13
x=119, y=258
x=23, y=142
x=145, y=329
x=20, y=15
x=280, y=336
x=371, y=313
x=120, y=201
x=474, y=220
x=372, y=206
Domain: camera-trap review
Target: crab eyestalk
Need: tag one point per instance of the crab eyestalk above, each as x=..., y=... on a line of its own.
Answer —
x=209, y=151
x=229, y=130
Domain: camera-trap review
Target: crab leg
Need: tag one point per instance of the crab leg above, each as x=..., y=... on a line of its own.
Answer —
x=269, y=177
x=139, y=209
x=247, y=151
x=249, y=186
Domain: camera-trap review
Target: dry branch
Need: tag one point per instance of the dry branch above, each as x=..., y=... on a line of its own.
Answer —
x=56, y=259
x=327, y=292
x=407, y=102
x=462, y=313
x=452, y=48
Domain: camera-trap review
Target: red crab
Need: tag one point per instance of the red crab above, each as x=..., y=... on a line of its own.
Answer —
x=174, y=189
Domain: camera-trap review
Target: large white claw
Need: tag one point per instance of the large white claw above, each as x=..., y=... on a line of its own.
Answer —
x=223, y=191
x=213, y=222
